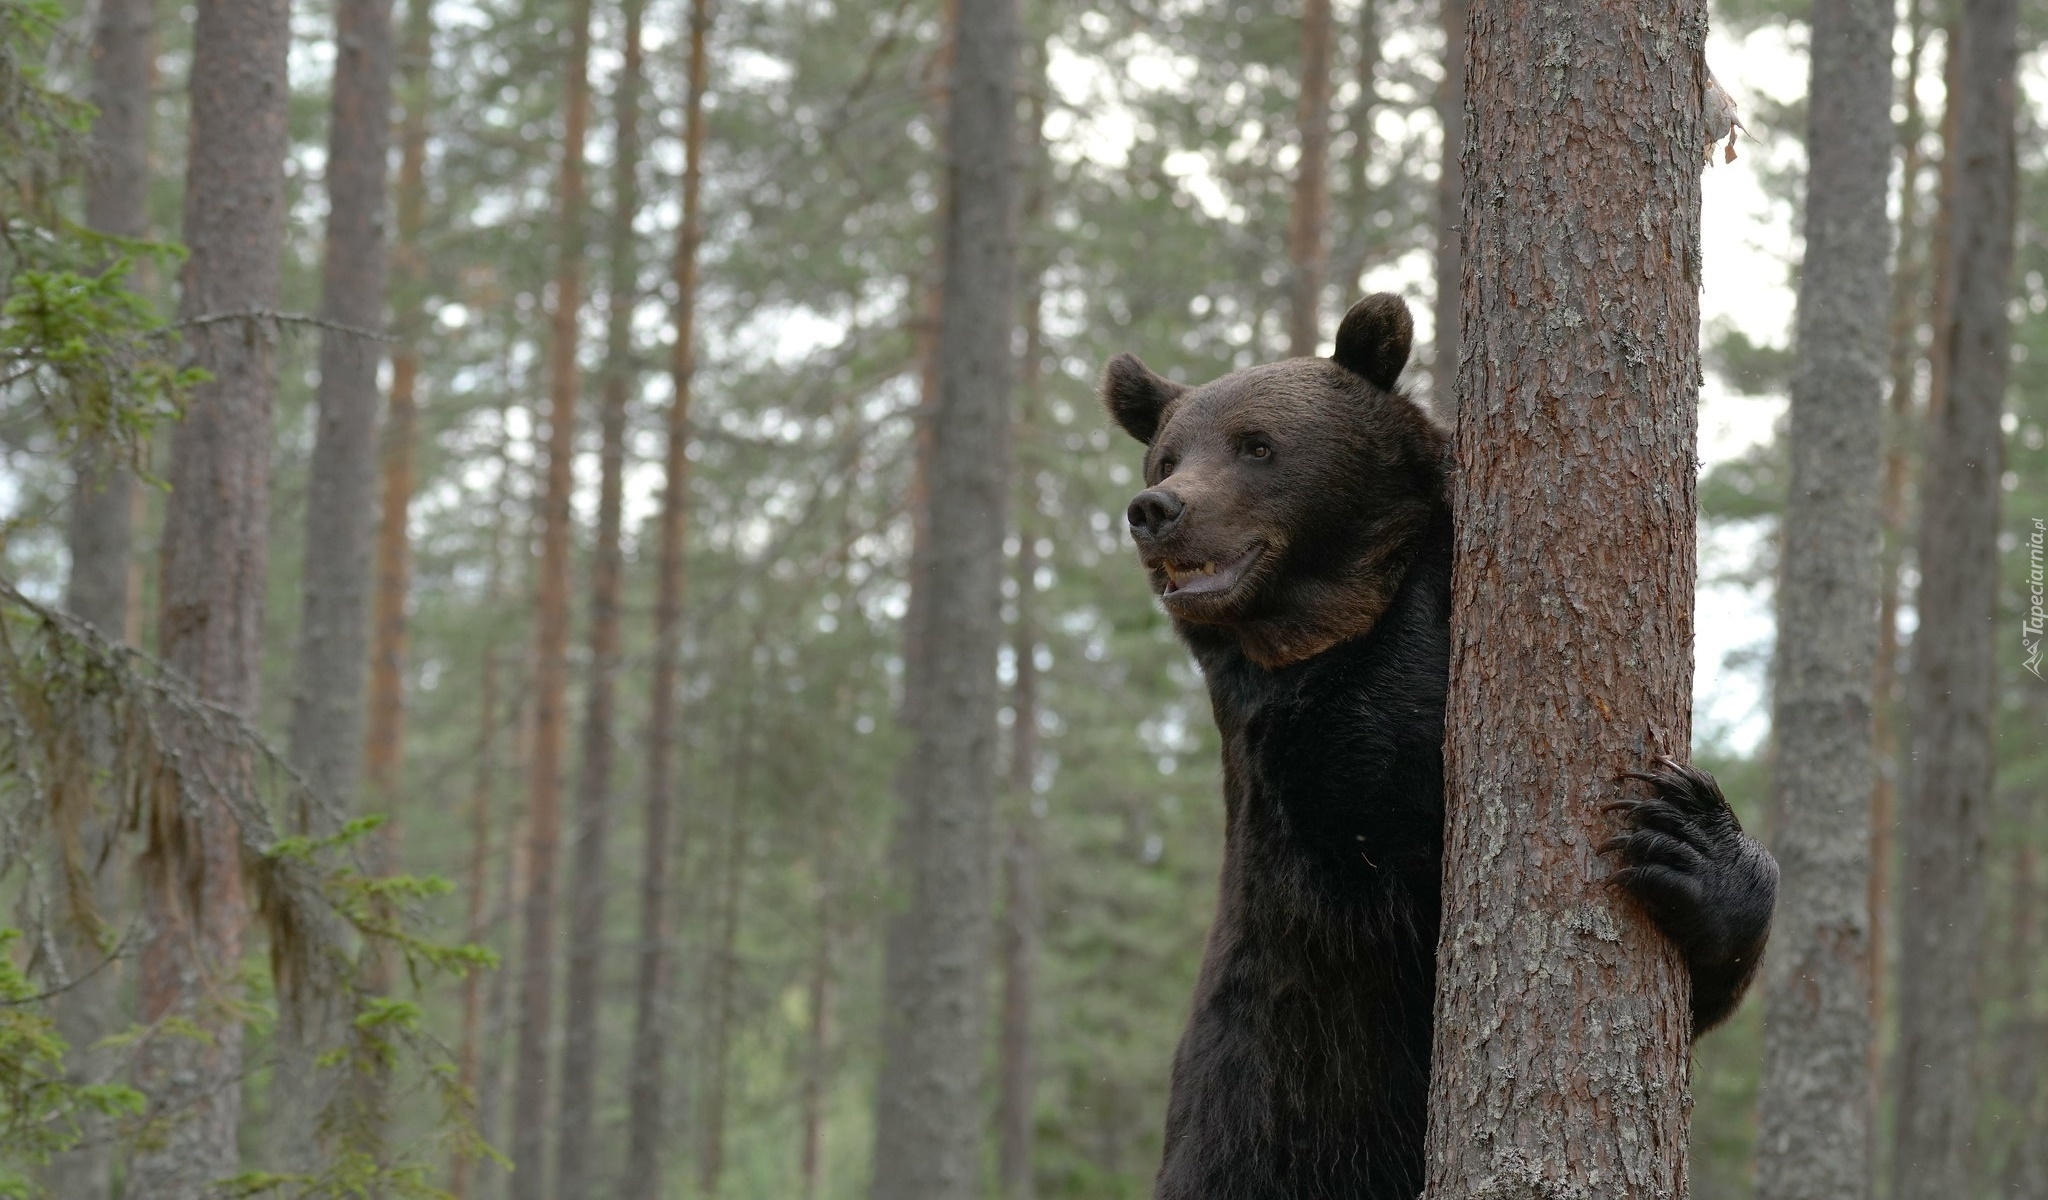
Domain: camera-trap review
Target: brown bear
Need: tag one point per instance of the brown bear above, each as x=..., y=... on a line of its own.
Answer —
x=1295, y=526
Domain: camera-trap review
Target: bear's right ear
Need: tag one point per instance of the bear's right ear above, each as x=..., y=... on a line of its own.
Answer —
x=1135, y=397
x=1373, y=339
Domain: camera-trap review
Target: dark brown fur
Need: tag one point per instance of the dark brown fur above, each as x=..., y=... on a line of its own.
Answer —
x=1318, y=492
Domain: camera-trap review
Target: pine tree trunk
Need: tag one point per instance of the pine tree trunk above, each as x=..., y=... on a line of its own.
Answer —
x=326, y=734
x=1949, y=690
x=818, y=1034
x=1909, y=303
x=1305, y=262
x=575, y=1173
x=1349, y=256
x=1562, y=1017
x=928, y=1121
x=1018, y=938
x=482, y=819
x=327, y=703
x=214, y=556
x=500, y=1018
x=1814, y=1114
x=1450, y=209
x=721, y=988
x=647, y=1082
x=98, y=591
x=530, y=1115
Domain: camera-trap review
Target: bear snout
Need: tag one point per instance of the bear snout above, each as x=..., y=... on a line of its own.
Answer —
x=1153, y=514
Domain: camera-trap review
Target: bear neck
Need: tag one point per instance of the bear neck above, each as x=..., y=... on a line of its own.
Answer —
x=1324, y=614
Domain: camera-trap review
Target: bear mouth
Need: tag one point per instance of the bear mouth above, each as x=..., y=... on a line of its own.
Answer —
x=1186, y=581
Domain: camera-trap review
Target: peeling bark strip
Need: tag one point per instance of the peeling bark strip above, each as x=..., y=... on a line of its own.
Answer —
x=1561, y=1018
x=1814, y=1107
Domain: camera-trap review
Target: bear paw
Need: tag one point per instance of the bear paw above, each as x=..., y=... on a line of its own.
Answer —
x=1707, y=885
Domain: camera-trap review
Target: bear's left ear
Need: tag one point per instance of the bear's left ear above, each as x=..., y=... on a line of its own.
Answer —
x=1373, y=339
x=1135, y=397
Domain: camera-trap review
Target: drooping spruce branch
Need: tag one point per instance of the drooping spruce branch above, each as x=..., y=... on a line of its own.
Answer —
x=94, y=733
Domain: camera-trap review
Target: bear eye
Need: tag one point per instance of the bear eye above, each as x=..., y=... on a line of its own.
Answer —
x=1258, y=447
x=1167, y=463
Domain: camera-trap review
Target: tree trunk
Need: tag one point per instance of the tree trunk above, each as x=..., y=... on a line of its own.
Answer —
x=327, y=704
x=530, y=1117
x=818, y=1035
x=462, y=1175
x=1907, y=318
x=575, y=1173
x=211, y=621
x=1450, y=209
x=1305, y=262
x=1349, y=256
x=647, y=1083
x=1562, y=1021
x=1814, y=1113
x=1019, y=936
x=326, y=734
x=720, y=992
x=928, y=1121
x=101, y=537
x=117, y=202
x=1949, y=691
x=499, y=1016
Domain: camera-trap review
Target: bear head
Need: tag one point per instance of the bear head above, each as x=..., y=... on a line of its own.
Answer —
x=1284, y=503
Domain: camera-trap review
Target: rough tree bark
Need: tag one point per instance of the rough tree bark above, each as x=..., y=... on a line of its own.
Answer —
x=101, y=538
x=1305, y=261
x=1813, y=1111
x=210, y=626
x=326, y=731
x=1450, y=210
x=647, y=1079
x=1562, y=1019
x=551, y=638
x=928, y=1122
x=1949, y=688
x=589, y=885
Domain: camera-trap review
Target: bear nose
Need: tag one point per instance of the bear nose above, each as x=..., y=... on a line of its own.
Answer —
x=1154, y=512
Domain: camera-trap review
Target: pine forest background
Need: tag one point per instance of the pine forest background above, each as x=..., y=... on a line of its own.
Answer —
x=1155, y=170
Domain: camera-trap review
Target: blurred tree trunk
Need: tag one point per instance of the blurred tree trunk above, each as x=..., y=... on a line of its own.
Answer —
x=928, y=1120
x=1909, y=303
x=647, y=1083
x=214, y=557
x=1575, y=448
x=1017, y=942
x=722, y=983
x=326, y=733
x=530, y=1115
x=575, y=1173
x=99, y=589
x=500, y=1019
x=1349, y=255
x=1949, y=689
x=1305, y=263
x=818, y=1035
x=1018, y=939
x=482, y=818
x=1814, y=1113
x=1454, y=15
